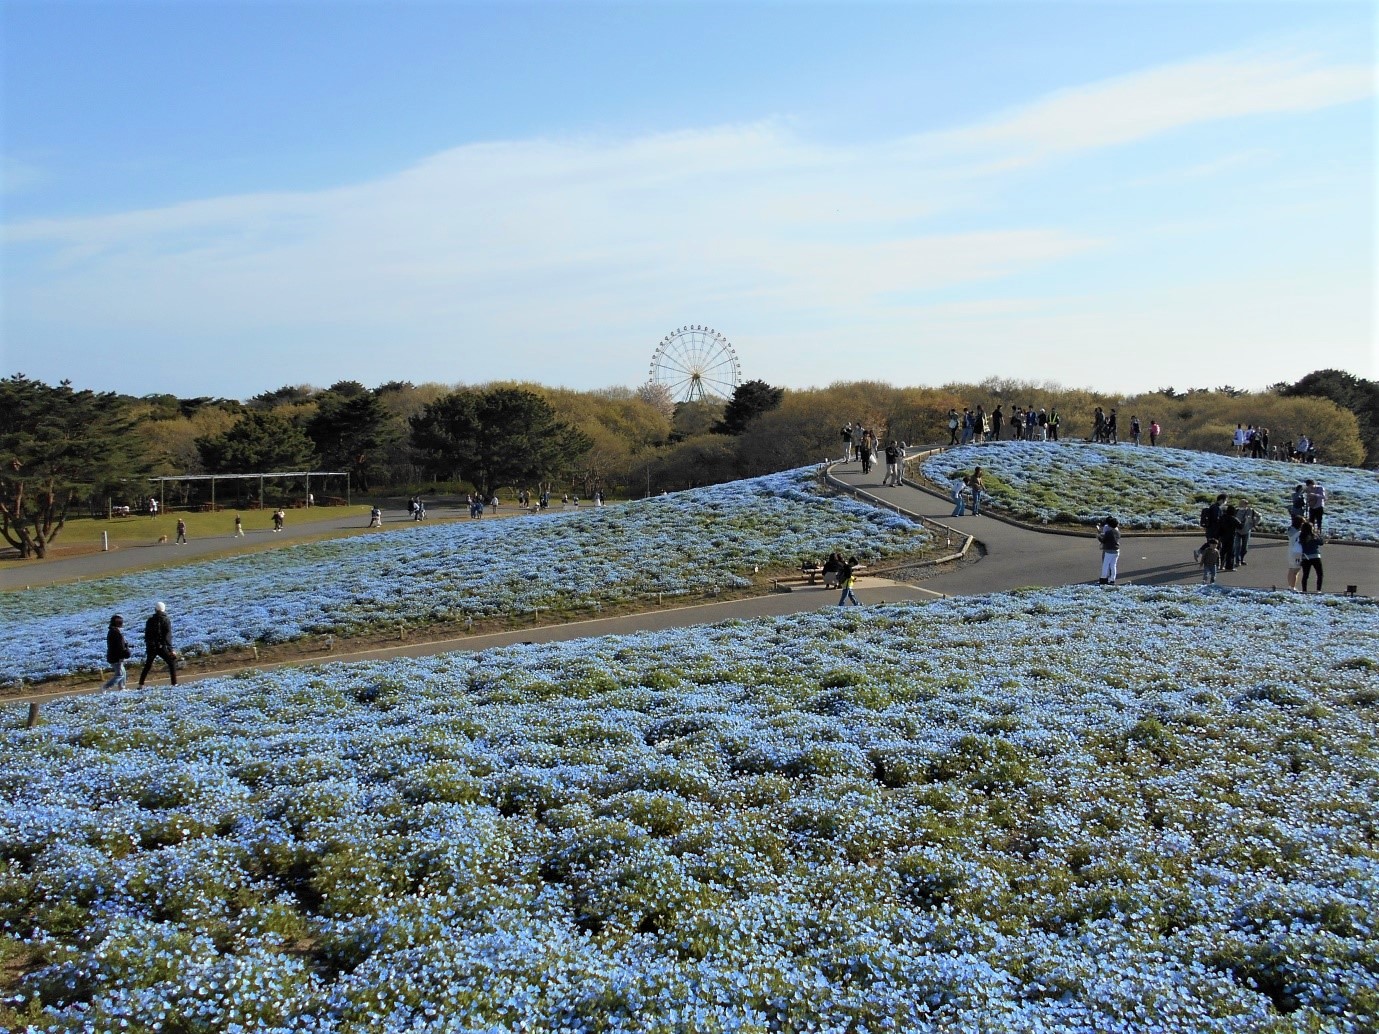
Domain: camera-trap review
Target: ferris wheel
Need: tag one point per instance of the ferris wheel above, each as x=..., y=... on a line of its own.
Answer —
x=695, y=364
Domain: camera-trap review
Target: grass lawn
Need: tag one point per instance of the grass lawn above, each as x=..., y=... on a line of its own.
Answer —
x=85, y=532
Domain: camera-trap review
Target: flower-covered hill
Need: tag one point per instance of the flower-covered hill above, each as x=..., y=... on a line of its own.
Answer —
x=997, y=813
x=676, y=544
x=1078, y=483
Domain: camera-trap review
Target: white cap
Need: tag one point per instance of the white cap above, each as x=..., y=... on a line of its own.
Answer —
x=160, y=607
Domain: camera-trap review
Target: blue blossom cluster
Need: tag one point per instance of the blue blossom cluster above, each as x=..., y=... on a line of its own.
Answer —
x=1074, y=483
x=1061, y=810
x=676, y=544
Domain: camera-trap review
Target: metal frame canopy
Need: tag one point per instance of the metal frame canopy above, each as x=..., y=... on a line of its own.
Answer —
x=213, y=478
x=695, y=363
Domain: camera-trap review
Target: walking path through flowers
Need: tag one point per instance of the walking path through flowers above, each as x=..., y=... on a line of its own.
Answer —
x=1016, y=556
x=1012, y=556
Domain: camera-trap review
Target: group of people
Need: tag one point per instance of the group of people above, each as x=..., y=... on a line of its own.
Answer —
x=1252, y=441
x=1228, y=529
x=1026, y=424
x=157, y=645
x=279, y=521
x=861, y=444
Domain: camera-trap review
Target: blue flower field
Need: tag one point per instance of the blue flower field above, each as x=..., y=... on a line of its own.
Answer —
x=690, y=542
x=1068, y=810
x=1079, y=483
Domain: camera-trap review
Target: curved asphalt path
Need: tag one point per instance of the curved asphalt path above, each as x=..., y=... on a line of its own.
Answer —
x=1018, y=556
x=1012, y=557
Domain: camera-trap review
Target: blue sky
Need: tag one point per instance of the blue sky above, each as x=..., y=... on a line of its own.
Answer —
x=222, y=198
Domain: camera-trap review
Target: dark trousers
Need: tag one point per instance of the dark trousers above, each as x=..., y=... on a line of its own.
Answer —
x=154, y=653
x=1228, y=551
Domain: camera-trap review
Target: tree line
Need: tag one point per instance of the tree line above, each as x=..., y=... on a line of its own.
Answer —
x=65, y=451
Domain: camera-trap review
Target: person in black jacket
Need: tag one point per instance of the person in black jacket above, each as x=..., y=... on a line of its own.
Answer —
x=117, y=651
x=1108, y=536
x=158, y=643
x=1226, y=530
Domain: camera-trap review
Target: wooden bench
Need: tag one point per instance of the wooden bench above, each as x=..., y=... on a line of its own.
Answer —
x=811, y=571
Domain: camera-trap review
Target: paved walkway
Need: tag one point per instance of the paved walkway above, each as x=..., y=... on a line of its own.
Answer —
x=1016, y=556
x=1012, y=557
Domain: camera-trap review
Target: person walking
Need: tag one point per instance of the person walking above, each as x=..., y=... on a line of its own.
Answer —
x=1211, y=556
x=891, y=453
x=952, y=427
x=158, y=643
x=1109, y=538
x=846, y=577
x=117, y=651
x=239, y=527
x=278, y=518
x=975, y=486
x=1154, y=431
x=375, y=518
x=181, y=532
x=1310, y=539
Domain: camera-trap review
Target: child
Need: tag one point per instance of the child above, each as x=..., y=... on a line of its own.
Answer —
x=117, y=651
x=1211, y=557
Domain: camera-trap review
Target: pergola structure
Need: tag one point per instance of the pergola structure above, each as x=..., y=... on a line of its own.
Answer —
x=213, y=478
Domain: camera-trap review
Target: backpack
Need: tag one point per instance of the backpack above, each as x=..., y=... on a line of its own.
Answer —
x=1205, y=519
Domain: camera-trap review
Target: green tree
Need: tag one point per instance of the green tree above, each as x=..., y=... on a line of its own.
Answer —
x=347, y=389
x=749, y=401
x=350, y=430
x=259, y=442
x=1356, y=394
x=696, y=417
x=502, y=436
x=57, y=446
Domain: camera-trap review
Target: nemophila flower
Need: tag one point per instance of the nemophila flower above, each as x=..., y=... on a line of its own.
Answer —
x=684, y=543
x=1081, y=483
x=996, y=813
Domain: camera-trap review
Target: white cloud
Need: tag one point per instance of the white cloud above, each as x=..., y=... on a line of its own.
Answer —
x=1158, y=100
x=507, y=242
